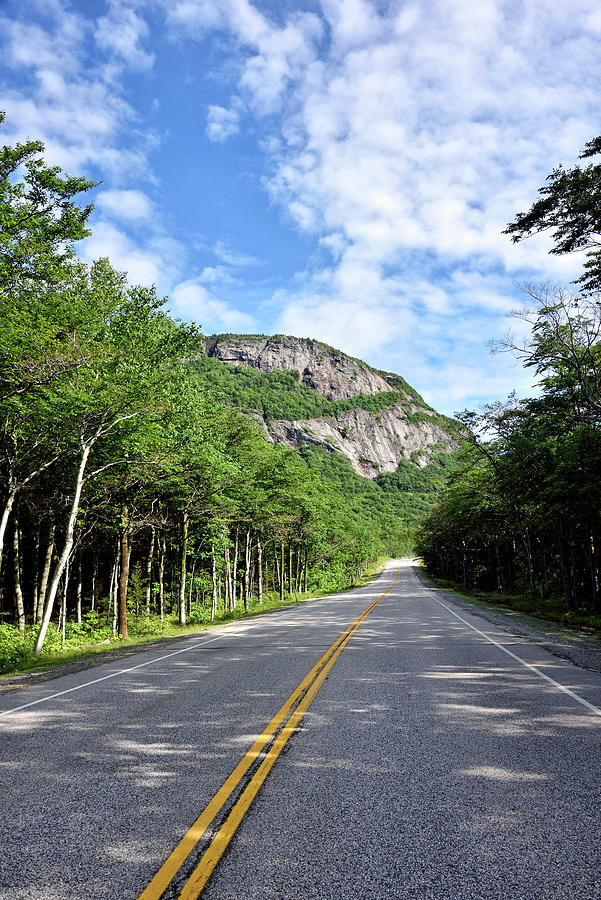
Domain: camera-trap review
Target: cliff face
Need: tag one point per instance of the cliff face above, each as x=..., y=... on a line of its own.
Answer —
x=373, y=442
x=329, y=372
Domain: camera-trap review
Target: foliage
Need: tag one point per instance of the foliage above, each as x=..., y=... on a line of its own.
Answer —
x=570, y=206
x=524, y=514
x=38, y=219
x=280, y=394
x=14, y=651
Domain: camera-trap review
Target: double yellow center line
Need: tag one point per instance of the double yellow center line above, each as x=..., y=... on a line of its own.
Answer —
x=277, y=733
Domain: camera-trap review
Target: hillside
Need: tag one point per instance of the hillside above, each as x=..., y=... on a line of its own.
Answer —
x=367, y=433
x=307, y=393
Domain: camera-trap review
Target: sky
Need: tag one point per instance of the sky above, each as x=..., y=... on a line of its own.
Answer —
x=334, y=169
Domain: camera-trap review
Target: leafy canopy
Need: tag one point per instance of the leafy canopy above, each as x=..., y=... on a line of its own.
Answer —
x=570, y=206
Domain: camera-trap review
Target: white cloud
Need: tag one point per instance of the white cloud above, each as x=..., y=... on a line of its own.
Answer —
x=143, y=266
x=76, y=109
x=191, y=300
x=405, y=140
x=401, y=137
x=222, y=123
x=232, y=257
x=128, y=205
x=121, y=32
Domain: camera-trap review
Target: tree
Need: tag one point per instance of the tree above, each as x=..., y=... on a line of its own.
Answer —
x=570, y=206
x=39, y=220
x=564, y=348
x=119, y=392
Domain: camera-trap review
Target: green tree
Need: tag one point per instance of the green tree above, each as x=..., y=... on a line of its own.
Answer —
x=570, y=207
x=39, y=220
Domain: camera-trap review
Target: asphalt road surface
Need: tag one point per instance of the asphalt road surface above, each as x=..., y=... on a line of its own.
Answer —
x=437, y=756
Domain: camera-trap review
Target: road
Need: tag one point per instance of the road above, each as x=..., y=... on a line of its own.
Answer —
x=437, y=756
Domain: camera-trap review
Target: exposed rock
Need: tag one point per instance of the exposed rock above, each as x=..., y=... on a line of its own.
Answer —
x=329, y=372
x=372, y=442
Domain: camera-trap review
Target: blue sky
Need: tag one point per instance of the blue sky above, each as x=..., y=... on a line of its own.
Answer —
x=337, y=169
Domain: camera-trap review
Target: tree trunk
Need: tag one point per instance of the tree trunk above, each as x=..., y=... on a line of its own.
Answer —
x=124, y=574
x=214, y=580
x=182, y=569
x=306, y=570
x=149, y=562
x=525, y=535
x=162, y=554
x=247, y=569
x=20, y=606
x=63, y=628
x=36, y=575
x=191, y=588
x=282, y=570
x=564, y=565
x=297, y=577
x=66, y=552
x=94, y=581
x=235, y=571
x=8, y=505
x=78, y=592
x=593, y=568
x=114, y=591
x=259, y=572
x=229, y=599
x=290, y=567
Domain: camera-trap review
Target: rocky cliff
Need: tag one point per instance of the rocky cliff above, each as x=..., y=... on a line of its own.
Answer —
x=374, y=440
x=329, y=372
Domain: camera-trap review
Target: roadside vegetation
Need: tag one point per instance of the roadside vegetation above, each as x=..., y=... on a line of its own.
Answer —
x=135, y=497
x=521, y=520
x=95, y=635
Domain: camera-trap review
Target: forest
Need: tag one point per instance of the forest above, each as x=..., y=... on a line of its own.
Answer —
x=136, y=496
x=522, y=516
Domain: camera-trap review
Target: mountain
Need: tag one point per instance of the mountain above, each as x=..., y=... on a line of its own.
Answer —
x=306, y=393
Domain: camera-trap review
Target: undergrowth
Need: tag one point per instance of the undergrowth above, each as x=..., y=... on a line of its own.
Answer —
x=95, y=635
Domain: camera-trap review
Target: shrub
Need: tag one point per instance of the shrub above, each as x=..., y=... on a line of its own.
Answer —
x=14, y=649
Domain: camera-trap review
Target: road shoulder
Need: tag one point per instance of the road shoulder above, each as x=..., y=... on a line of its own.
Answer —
x=579, y=648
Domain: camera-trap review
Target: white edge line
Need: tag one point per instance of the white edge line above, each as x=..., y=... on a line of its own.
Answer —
x=148, y=662
x=78, y=687
x=556, y=684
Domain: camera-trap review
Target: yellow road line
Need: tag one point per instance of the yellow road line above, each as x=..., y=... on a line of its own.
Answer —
x=310, y=684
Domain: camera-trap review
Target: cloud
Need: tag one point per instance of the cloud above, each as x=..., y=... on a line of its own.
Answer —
x=121, y=32
x=128, y=205
x=275, y=56
x=221, y=123
x=403, y=139
x=232, y=257
x=192, y=301
x=143, y=266
x=398, y=140
x=74, y=107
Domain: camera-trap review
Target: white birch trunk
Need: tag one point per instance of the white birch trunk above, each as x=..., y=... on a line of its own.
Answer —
x=182, y=571
x=149, y=572
x=64, y=557
x=17, y=570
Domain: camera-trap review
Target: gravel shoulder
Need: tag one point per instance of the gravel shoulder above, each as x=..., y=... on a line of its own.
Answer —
x=578, y=647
